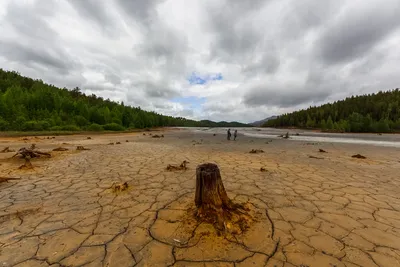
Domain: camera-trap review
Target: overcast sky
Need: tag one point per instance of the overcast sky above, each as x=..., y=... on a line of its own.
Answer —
x=206, y=59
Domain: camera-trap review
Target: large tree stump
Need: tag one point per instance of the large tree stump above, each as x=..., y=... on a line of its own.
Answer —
x=213, y=204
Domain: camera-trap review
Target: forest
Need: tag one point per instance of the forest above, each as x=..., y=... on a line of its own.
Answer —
x=378, y=112
x=32, y=105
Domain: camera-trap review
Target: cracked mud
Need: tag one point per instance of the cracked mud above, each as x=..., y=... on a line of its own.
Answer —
x=339, y=211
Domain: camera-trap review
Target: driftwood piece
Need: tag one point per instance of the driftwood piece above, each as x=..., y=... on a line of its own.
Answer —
x=256, y=151
x=60, y=149
x=322, y=151
x=118, y=143
x=81, y=148
x=30, y=153
x=157, y=136
x=358, y=156
x=89, y=138
x=7, y=150
x=213, y=204
x=6, y=179
x=181, y=167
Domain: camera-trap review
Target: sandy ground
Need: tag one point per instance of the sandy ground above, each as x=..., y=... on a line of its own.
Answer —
x=332, y=210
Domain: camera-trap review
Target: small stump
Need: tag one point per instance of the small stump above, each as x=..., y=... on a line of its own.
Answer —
x=213, y=204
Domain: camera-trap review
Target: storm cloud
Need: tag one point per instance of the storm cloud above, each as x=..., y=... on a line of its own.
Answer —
x=271, y=56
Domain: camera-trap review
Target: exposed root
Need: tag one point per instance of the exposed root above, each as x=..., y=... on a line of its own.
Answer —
x=81, y=148
x=358, y=156
x=7, y=150
x=322, y=151
x=6, y=179
x=256, y=151
x=229, y=219
x=27, y=165
x=119, y=187
x=29, y=153
x=183, y=166
x=60, y=149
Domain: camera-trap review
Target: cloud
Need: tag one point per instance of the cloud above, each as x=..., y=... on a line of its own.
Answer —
x=219, y=60
x=357, y=29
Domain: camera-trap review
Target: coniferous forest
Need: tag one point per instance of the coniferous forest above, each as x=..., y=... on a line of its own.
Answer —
x=32, y=105
x=378, y=112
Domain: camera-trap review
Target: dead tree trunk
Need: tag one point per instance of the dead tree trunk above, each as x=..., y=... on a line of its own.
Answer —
x=213, y=204
x=210, y=191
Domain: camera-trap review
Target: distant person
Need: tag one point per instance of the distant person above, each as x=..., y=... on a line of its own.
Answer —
x=229, y=134
x=235, y=135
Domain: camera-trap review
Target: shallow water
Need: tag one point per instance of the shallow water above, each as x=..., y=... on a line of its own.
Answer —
x=388, y=140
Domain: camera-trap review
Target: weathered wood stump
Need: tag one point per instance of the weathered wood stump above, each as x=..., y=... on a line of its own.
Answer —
x=213, y=204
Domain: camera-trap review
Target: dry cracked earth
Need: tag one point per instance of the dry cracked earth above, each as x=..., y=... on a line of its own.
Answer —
x=332, y=210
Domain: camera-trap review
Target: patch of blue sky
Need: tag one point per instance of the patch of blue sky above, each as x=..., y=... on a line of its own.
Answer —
x=196, y=78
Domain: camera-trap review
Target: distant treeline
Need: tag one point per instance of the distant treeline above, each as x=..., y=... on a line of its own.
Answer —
x=32, y=105
x=378, y=112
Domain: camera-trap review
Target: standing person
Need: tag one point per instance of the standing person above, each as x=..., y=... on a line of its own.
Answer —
x=235, y=135
x=229, y=134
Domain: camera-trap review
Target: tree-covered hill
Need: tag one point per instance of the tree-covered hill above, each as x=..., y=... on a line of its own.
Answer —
x=378, y=112
x=32, y=105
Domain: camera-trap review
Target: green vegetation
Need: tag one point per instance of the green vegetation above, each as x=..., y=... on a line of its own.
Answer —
x=366, y=113
x=32, y=105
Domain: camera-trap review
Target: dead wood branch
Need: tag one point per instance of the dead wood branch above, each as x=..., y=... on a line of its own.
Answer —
x=30, y=153
x=256, y=151
x=81, y=148
x=60, y=149
x=6, y=179
x=119, y=187
x=183, y=166
x=7, y=150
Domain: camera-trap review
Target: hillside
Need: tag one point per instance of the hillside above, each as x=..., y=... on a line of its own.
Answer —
x=261, y=122
x=32, y=105
x=378, y=112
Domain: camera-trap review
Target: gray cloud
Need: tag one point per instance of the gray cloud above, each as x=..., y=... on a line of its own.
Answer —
x=355, y=32
x=283, y=98
x=274, y=56
x=96, y=13
x=52, y=58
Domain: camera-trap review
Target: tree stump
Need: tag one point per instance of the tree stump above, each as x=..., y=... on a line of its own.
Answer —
x=213, y=204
